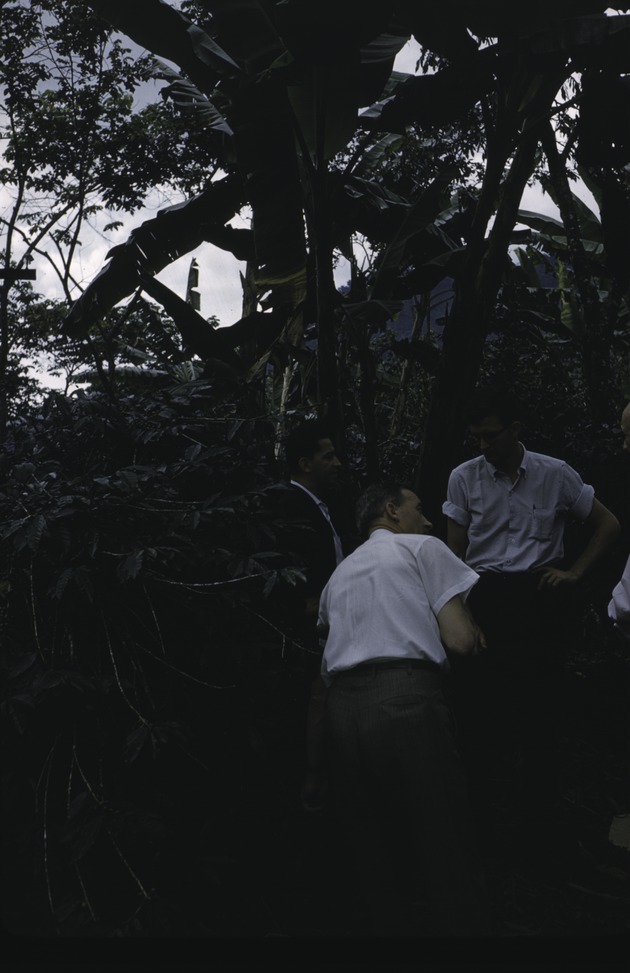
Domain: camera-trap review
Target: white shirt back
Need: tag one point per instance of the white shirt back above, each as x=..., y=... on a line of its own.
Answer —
x=382, y=601
x=619, y=604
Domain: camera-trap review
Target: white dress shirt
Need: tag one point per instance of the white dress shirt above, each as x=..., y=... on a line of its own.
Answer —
x=326, y=513
x=619, y=605
x=381, y=602
x=516, y=526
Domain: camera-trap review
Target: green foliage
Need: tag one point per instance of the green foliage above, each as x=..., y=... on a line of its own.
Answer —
x=75, y=143
x=131, y=595
x=138, y=344
x=144, y=678
x=73, y=129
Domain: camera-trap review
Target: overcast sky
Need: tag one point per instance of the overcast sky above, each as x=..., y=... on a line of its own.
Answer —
x=219, y=282
x=219, y=271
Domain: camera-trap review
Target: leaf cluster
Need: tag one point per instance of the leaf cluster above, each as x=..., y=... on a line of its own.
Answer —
x=135, y=572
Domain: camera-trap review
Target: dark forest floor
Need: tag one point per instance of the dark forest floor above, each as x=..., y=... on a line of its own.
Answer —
x=264, y=872
x=295, y=874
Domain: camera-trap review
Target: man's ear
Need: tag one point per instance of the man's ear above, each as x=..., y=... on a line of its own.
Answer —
x=391, y=509
x=304, y=463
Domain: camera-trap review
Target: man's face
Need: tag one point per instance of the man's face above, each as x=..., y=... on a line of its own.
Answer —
x=495, y=439
x=322, y=469
x=411, y=520
x=625, y=428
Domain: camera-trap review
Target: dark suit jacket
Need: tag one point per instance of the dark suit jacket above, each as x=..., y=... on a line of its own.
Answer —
x=308, y=534
x=305, y=540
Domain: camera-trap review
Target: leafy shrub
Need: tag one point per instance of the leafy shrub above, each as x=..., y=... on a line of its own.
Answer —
x=132, y=591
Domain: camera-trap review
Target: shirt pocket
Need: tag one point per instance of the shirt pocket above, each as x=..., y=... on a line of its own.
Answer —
x=542, y=523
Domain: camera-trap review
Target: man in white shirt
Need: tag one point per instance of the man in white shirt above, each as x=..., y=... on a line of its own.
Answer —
x=393, y=611
x=619, y=605
x=507, y=510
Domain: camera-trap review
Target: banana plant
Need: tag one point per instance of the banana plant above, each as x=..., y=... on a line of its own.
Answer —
x=292, y=83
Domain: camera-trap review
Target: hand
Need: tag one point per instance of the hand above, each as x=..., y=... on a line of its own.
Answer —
x=555, y=578
x=480, y=638
x=312, y=606
x=475, y=644
x=481, y=643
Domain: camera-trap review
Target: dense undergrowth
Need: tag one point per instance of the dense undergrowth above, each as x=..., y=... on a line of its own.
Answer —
x=154, y=713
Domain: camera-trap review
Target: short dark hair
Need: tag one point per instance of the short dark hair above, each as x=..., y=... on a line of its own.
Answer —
x=372, y=502
x=304, y=440
x=493, y=401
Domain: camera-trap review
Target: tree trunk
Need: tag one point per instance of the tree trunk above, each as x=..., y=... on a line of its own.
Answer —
x=367, y=395
x=329, y=399
x=464, y=338
x=4, y=358
x=594, y=345
x=406, y=373
x=522, y=108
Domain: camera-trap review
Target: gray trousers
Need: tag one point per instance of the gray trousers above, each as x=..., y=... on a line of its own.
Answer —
x=400, y=790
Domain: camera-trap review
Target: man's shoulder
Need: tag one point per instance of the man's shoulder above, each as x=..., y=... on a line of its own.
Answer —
x=468, y=467
x=290, y=499
x=416, y=542
x=544, y=461
x=374, y=550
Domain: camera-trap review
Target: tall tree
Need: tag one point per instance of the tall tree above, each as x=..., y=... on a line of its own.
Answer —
x=74, y=148
x=289, y=81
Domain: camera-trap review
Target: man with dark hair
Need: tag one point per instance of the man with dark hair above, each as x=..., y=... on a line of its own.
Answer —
x=507, y=509
x=310, y=532
x=392, y=612
x=310, y=537
x=372, y=505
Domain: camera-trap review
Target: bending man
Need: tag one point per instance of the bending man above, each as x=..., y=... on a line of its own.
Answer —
x=393, y=610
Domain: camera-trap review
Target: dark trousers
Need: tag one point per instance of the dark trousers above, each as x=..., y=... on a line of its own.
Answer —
x=400, y=789
x=507, y=706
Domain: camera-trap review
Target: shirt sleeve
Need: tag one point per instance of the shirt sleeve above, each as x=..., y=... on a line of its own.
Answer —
x=619, y=605
x=443, y=574
x=456, y=504
x=322, y=618
x=327, y=679
x=577, y=496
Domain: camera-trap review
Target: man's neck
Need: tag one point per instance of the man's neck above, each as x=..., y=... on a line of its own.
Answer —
x=383, y=525
x=511, y=464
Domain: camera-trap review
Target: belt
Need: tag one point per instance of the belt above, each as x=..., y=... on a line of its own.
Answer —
x=378, y=664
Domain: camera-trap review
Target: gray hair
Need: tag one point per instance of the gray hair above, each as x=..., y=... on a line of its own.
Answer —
x=372, y=502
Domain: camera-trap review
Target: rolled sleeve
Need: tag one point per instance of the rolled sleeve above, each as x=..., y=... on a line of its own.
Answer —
x=443, y=574
x=458, y=514
x=456, y=504
x=322, y=618
x=462, y=588
x=579, y=495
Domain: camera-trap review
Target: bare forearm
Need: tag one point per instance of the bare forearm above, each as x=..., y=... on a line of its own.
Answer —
x=599, y=544
x=456, y=538
x=604, y=528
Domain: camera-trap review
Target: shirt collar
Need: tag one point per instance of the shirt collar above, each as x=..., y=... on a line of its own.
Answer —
x=320, y=503
x=522, y=466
